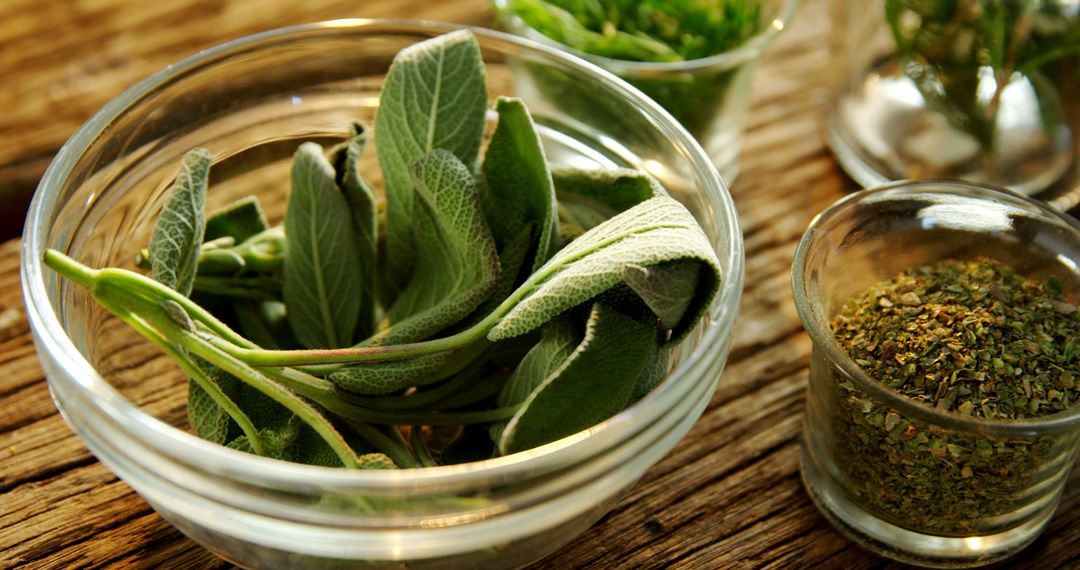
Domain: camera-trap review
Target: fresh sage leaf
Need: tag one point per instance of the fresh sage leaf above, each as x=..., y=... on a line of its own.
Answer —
x=264, y=323
x=519, y=190
x=594, y=383
x=547, y=356
x=456, y=261
x=654, y=371
x=657, y=231
x=363, y=210
x=434, y=97
x=239, y=220
x=387, y=377
x=609, y=191
x=667, y=288
x=322, y=270
x=178, y=233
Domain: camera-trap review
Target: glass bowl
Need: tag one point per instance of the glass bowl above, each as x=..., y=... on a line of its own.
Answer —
x=251, y=102
x=709, y=96
x=905, y=479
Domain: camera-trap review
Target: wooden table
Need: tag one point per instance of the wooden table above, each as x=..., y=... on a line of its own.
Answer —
x=728, y=496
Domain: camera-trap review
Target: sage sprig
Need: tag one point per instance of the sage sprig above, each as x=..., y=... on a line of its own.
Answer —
x=513, y=299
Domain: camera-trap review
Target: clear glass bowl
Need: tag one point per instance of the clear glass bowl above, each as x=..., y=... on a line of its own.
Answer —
x=709, y=96
x=251, y=102
x=901, y=478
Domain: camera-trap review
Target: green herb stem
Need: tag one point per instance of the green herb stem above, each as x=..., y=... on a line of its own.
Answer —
x=393, y=449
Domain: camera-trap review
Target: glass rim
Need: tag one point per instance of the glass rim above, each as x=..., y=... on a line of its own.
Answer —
x=742, y=53
x=820, y=331
x=179, y=444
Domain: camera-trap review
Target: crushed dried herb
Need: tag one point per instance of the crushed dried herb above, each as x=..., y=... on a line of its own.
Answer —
x=973, y=338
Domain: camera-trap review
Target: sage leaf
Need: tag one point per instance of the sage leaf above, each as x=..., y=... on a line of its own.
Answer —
x=519, y=190
x=386, y=377
x=240, y=220
x=321, y=274
x=457, y=264
x=588, y=197
x=667, y=288
x=434, y=97
x=594, y=383
x=362, y=210
x=558, y=343
x=657, y=231
x=654, y=371
x=605, y=190
x=555, y=347
x=264, y=323
x=178, y=232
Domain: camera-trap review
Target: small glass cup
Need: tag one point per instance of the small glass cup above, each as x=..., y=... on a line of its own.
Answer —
x=903, y=479
x=962, y=94
x=708, y=96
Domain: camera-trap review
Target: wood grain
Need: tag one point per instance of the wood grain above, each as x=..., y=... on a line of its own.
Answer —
x=728, y=496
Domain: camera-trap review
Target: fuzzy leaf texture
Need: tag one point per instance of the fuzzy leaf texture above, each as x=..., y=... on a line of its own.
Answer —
x=657, y=231
x=240, y=220
x=594, y=383
x=322, y=269
x=519, y=190
x=434, y=96
x=363, y=210
x=457, y=269
x=178, y=233
x=457, y=264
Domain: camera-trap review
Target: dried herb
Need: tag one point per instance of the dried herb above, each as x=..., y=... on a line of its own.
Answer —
x=474, y=279
x=973, y=338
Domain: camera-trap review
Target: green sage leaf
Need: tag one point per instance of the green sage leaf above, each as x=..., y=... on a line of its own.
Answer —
x=667, y=288
x=178, y=233
x=609, y=191
x=239, y=220
x=594, y=383
x=322, y=273
x=457, y=264
x=519, y=190
x=434, y=97
x=657, y=231
x=363, y=211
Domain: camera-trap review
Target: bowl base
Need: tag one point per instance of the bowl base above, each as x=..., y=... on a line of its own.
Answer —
x=907, y=546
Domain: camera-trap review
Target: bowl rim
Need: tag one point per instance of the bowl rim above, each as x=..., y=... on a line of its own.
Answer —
x=820, y=331
x=176, y=443
x=744, y=52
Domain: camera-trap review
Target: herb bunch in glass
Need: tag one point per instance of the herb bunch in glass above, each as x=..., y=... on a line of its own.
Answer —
x=482, y=304
x=962, y=55
x=653, y=31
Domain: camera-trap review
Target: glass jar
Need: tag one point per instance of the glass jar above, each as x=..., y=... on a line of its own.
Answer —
x=251, y=102
x=973, y=90
x=708, y=96
x=905, y=479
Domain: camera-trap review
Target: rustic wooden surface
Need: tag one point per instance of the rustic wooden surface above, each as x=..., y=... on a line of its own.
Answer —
x=728, y=496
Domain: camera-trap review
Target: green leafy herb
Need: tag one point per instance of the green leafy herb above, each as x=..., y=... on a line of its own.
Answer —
x=649, y=30
x=435, y=97
x=519, y=186
x=657, y=31
x=174, y=245
x=602, y=370
x=321, y=276
x=495, y=341
x=962, y=54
